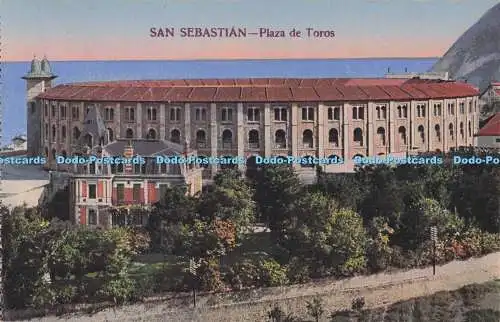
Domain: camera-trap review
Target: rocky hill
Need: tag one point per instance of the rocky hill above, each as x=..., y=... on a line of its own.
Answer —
x=475, y=56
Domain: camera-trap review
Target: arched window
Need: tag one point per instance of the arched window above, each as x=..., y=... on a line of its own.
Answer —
x=437, y=129
x=110, y=135
x=405, y=111
x=400, y=111
x=175, y=136
x=421, y=131
x=450, y=129
x=378, y=112
x=151, y=134
x=46, y=150
x=402, y=134
x=201, y=139
x=280, y=139
x=53, y=154
x=76, y=133
x=129, y=134
x=358, y=136
x=307, y=139
x=54, y=133
x=381, y=135
x=333, y=137
x=87, y=139
x=63, y=132
x=462, y=132
x=227, y=139
x=384, y=112
x=470, y=129
x=253, y=139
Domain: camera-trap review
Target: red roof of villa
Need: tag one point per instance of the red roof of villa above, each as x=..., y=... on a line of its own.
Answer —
x=492, y=127
x=261, y=90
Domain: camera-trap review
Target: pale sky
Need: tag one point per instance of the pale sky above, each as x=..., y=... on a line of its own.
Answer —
x=119, y=29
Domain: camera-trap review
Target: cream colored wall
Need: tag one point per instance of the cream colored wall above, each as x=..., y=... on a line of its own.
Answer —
x=294, y=126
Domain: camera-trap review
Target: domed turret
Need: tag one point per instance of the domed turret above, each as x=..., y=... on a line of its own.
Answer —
x=45, y=66
x=40, y=70
x=35, y=66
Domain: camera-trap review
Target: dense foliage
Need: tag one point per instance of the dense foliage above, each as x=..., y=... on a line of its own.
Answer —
x=345, y=224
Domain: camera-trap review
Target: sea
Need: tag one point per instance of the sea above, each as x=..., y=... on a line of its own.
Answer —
x=13, y=90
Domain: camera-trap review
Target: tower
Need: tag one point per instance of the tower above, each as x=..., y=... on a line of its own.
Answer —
x=38, y=79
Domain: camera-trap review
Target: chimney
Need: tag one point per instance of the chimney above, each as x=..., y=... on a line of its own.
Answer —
x=128, y=153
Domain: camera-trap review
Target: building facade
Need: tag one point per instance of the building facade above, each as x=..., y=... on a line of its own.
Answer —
x=489, y=135
x=491, y=94
x=268, y=117
x=106, y=195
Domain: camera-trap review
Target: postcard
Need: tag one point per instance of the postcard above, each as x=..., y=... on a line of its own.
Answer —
x=202, y=149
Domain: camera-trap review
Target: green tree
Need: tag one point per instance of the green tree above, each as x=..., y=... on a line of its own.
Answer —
x=229, y=199
x=330, y=240
x=423, y=214
x=345, y=188
x=384, y=198
x=276, y=189
x=476, y=195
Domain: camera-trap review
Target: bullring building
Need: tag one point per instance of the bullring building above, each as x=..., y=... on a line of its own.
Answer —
x=319, y=117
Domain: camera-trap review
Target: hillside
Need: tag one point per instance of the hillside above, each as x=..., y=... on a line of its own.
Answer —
x=475, y=56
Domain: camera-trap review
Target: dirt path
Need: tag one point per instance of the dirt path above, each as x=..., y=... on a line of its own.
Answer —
x=378, y=290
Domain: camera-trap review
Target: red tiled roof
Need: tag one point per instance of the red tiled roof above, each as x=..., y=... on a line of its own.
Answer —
x=260, y=90
x=492, y=127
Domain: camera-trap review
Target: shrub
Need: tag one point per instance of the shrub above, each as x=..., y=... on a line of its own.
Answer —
x=298, y=271
x=257, y=273
x=209, y=276
x=358, y=303
x=243, y=274
x=273, y=274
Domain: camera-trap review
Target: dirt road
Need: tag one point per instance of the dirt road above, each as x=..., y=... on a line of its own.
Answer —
x=378, y=290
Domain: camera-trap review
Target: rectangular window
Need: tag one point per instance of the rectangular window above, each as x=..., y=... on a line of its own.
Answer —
x=62, y=109
x=307, y=114
x=280, y=114
x=53, y=111
x=227, y=114
x=75, y=111
x=497, y=140
x=253, y=114
x=175, y=114
x=120, y=192
x=130, y=114
x=92, y=191
x=92, y=217
x=109, y=114
x=151, y=114
x=33, y=107
x=46, y=110
x=136, y=193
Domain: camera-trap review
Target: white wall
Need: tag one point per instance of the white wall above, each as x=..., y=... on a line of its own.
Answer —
x=488, y=141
